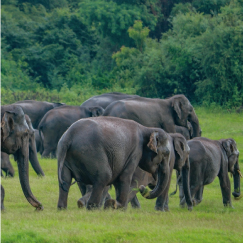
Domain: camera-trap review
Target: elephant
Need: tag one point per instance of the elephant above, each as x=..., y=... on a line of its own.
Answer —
x=15, y=135
x=164, y=114
x=105, y=99
x=6, y=165
x=2, y=198
x=179, y=160
x=101, y=151
x=208, y=159
x=36, y=109
x=58, y=120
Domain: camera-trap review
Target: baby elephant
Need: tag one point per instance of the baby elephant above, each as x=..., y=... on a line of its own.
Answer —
x=211, y=158
x=101, y=151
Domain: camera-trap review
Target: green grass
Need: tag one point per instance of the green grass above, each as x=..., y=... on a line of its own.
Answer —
x=208, y=222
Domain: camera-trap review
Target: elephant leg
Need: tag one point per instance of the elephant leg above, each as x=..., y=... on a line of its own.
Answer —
x=181, y=191
x=135, y=203
x=163, y=200
x=225, y=189
x=82, y=188
x=2, y=197
x=194, y=189
x=82, y=202
x=95, y=198
x=198, y=196
x=63, y=194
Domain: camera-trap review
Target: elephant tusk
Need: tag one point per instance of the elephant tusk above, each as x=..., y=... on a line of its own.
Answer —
x=239, y=173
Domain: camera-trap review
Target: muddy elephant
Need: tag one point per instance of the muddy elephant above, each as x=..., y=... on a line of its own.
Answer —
x=6, y=165
x=161, y=113
x=36, y=109
x=105, y=99
x=101, y=151
x=209, y=159
x=58, y=120
x=15, y=135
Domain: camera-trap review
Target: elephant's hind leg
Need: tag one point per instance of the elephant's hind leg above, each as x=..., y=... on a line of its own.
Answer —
x=95, y=199
x=63, y=192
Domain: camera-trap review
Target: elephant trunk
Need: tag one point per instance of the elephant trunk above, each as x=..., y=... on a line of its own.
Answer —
x=33, y=156
x=23, y=166
x=236, y=177
x=186, y=183
x=163, y=179
x=195, y=124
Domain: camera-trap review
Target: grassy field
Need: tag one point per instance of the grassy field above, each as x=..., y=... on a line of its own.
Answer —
x=208, y=222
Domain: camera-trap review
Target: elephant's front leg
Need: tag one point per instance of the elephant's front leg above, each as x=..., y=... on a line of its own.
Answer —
x=225, y=188
x=163, y=201
x=63, y=190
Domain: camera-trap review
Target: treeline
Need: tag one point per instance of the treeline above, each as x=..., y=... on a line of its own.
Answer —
x=68, y=50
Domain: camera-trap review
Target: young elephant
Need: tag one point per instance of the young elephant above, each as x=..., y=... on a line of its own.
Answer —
x=179, y=160
x=211, y=158
x=106, y=150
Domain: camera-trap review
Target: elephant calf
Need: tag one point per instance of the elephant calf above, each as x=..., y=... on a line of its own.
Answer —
x=211, y=158
x=102, y=151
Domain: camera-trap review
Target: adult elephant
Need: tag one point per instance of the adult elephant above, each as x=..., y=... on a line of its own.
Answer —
x=179, y=160
x=101, y=151
x=6, y=165
x=58, y=120
x=36, y=109
x=209, y=159
x=15, y=134
x=164, y=114
x=105, y=99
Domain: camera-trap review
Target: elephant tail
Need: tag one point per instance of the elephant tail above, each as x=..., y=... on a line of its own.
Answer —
x=62, y=149
x=177, y=182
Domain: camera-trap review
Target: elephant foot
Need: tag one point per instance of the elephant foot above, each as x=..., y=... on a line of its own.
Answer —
x=61, y=208
x=162, y=209
x=190, y=208
x=228, y=205
x=40, y=208
x=110, y=203
x=80, y=204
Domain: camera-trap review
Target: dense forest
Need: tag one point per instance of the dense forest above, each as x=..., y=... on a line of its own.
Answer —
x=68, y=50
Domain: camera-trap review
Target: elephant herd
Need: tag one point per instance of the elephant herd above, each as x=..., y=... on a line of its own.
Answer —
x=127, y=141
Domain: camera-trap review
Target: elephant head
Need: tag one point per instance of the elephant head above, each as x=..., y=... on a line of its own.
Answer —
x=15, y=140
x=96, y=111
x=157, y=163
x=182, y=164
x=183, y=112
x=232, y=154
x=32, y=149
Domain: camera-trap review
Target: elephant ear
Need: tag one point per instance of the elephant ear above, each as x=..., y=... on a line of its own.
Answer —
x=96, y=111
x=180, y=146
x=176, y=105
x=27, y=118
x=7, y=124
x=153, y=142
x=228, y=147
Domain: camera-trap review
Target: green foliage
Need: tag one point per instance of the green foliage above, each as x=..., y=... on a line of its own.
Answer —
x=66, y=46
